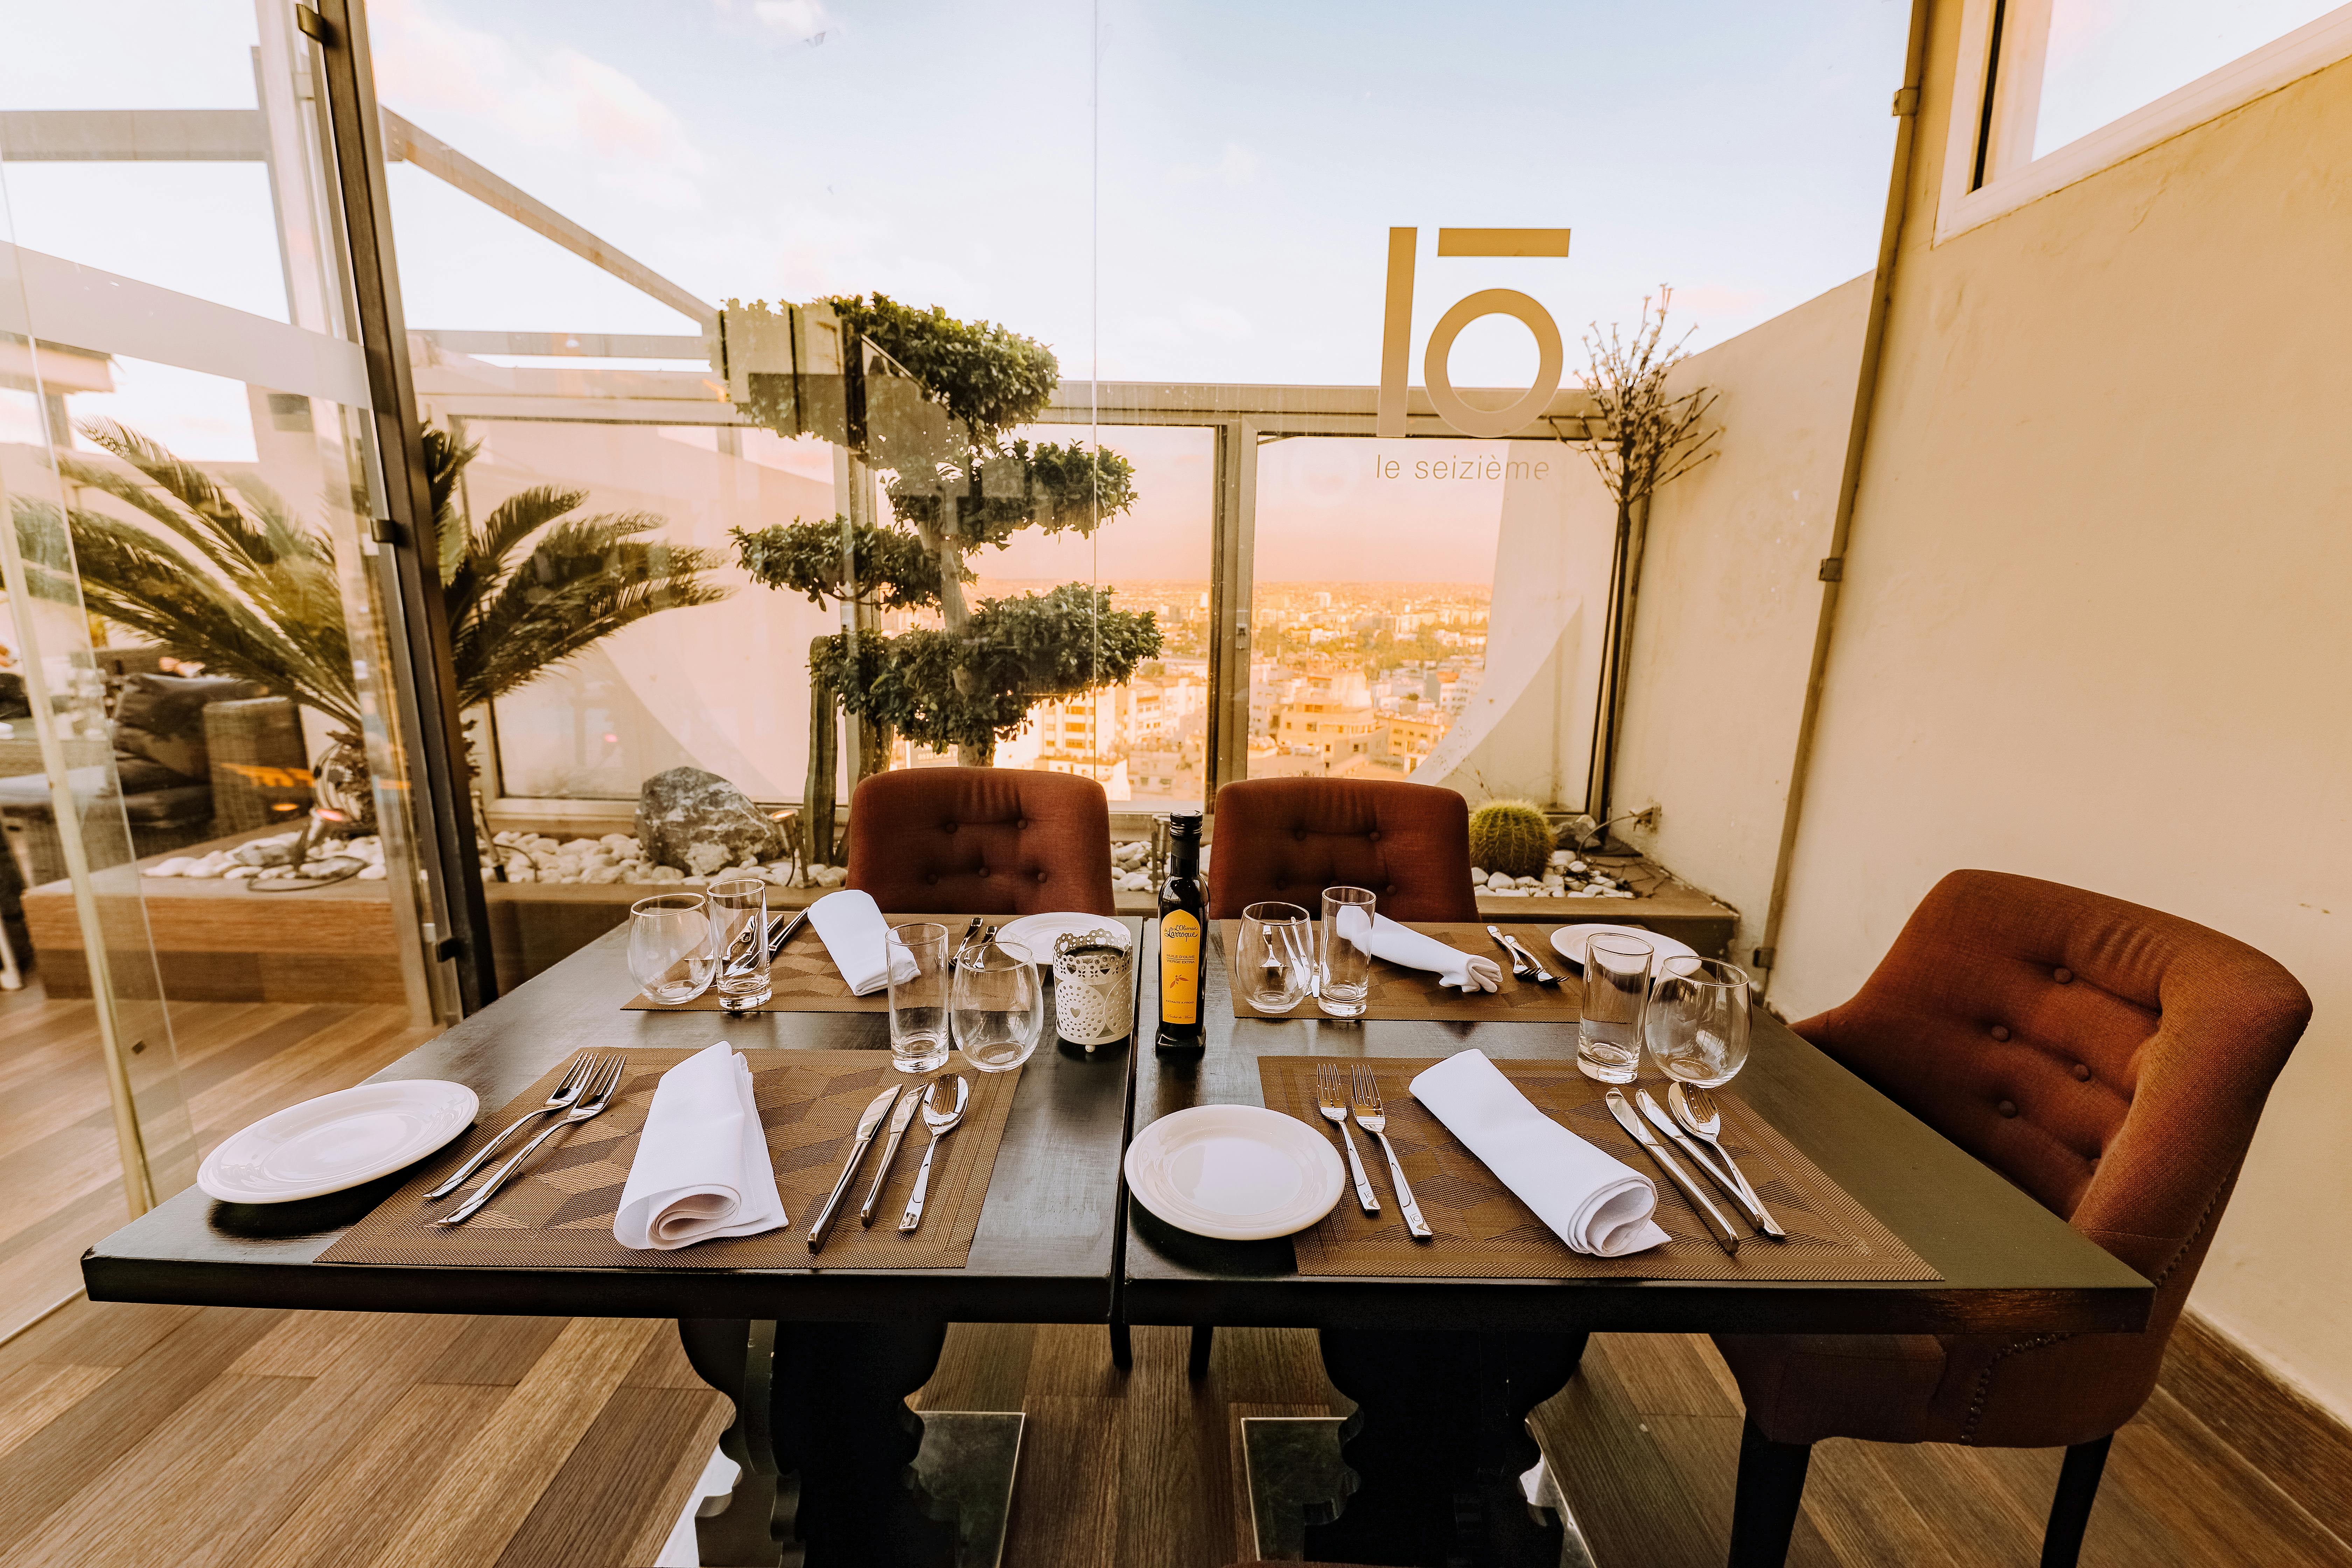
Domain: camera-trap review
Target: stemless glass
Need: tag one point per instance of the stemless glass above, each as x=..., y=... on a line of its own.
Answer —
x=670, y=951
x=1697, y=1021
x=1616, y=993
x=1344, y=977
x=918, y=1003
x=1275, y=956
x=998, y=1005
x=738, y=933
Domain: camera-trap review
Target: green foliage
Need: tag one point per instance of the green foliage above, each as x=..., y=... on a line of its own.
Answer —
x=227, y=574
x=889, y=568
x=1512, y=837
x=1017, y=651
x=1048, y=486
x=984, y=375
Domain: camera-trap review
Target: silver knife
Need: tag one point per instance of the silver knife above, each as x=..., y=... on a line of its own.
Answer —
x=900, y=1117
x=1724, y=1237
x=1543, y=976
x=868, y=1123
x=1656, y=1116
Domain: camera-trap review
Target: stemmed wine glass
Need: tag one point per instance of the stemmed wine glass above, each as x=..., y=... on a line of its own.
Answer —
x=1697, y=1020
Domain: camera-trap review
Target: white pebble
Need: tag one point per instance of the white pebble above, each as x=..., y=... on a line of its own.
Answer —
x=371, y=873
x=177, y=866
x=1478, y=875
x=242, y=873
x=1499, y=880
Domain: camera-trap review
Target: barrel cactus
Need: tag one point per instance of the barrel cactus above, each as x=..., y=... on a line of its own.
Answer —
x=1511, y=836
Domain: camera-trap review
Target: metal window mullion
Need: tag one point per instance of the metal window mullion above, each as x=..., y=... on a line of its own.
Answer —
x=424, y=675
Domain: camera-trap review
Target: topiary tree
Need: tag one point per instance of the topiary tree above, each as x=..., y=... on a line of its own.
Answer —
x=928, y=400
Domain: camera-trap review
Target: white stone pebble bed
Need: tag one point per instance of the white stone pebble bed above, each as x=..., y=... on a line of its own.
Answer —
x=1566, y=877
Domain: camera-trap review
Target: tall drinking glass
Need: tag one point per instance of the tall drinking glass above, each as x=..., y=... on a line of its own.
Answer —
x=998, y=1005
x=670, y=953
x=1344, y=975
x=1616, y=994
x=1275, y=956
x=1697, y=1023
x=739, y=927
x=918, y=1003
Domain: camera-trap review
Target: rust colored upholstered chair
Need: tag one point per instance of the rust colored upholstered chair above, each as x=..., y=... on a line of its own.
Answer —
x=1291, y=838
x=2112, y=1061
x=981, y=841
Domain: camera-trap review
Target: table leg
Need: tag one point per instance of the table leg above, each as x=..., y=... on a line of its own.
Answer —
x=826, y=1443
x=1437, y=1444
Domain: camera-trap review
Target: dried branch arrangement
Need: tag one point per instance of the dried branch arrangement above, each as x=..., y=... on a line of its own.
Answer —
x=1653, y=437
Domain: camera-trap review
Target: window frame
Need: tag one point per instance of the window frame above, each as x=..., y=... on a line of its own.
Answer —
x=1979, y=123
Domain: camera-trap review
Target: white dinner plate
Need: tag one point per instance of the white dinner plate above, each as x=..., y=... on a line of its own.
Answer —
x=337, y=1140
x=1234, y=1172
x=1031, y=936
x=1569, y=942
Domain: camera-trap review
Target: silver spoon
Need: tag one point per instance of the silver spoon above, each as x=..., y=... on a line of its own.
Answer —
x=1694, y=1109
x=941, y=1123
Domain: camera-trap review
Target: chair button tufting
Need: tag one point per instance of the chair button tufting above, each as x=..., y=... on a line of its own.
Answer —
x=947, y=828
x=1021, y=824
x=2082, y=1073
x=1041, y=878
x=2000, y=1031
x=983, y=871
x=933, y=879
x=1374, y=835
x=2062, y=977
x=2007, y=1108
x=1299, y=834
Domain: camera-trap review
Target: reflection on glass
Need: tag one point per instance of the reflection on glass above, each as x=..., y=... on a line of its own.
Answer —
x=2096, y=61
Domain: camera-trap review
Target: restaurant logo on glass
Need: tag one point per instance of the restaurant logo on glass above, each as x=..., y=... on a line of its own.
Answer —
x=1396, y=333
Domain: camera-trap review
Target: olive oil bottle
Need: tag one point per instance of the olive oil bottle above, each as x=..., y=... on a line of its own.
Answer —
x=1184, y=926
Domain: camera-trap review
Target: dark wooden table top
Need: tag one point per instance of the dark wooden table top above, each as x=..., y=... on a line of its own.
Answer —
x=2008, y=1265
x=1046, y=1251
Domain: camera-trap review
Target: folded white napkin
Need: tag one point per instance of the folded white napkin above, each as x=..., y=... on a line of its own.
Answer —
x=1596, y=1204
x=1402, y=944
x=858, y=938
x=702, y=1166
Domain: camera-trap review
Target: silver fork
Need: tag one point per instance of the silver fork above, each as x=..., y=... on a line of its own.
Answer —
x=591, y=1104
x=565, y=1093
x=1367, y=1095
x=1331, y=1099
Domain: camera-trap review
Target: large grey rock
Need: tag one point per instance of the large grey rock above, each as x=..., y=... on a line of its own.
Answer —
x=687, y=817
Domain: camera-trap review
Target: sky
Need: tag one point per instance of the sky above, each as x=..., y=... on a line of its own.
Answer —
x=1177, y=190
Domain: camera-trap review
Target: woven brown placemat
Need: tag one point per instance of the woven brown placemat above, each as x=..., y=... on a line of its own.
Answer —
x=557, y=1213
x=1400, y=993
x=1484, y=1232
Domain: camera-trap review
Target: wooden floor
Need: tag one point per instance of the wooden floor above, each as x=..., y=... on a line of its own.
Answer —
x=60, y=1177
x=1140, y=1470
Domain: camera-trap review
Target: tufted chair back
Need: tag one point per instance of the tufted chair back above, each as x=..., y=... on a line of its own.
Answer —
x=1291, y=838
x=2112, y=1060
x=981, y=841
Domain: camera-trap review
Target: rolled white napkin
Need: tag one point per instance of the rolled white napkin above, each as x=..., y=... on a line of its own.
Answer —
x=1596, y=1204
x=702, y=1166
x=858, y=938
x=1402, y=944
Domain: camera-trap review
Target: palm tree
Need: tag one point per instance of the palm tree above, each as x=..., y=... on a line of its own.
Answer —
x=234, y=578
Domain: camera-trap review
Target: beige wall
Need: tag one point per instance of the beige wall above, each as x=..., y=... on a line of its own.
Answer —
x=2095, y=621
x=1731, y=594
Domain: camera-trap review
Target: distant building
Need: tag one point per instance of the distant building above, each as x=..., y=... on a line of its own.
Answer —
x=1411, y=739
x=1332, y=720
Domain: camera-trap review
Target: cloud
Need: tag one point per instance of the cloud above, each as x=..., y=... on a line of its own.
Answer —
x=426, y=60
x=801, y=21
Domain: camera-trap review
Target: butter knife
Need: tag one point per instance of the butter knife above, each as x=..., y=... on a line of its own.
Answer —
x=1622, y=1109
x=1543, y=976
x=868, y=1123
x=1656, y=1116
x=908, y=1105
x=785, y=933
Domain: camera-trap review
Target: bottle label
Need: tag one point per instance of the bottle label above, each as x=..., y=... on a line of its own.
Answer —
x=1180, y=968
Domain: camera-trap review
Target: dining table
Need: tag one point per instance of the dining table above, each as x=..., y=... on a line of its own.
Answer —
x=1445, y=1370
x=818, y=1357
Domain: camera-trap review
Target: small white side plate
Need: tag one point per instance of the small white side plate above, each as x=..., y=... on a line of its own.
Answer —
x=1569, y=942
x=1237, y=1173
x=1031, y=936
x=337, y=1140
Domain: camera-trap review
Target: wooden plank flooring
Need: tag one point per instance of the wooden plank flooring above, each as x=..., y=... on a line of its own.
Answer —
x=1140, y=1470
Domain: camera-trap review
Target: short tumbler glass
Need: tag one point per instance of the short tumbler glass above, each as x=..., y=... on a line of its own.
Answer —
x=1616, y=994
x=1276, y=956
x=998, y=1004
x=738, y=930
x=1698, y=1024
x=918, y=1003
x=670, y=953
x=1344, y=976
